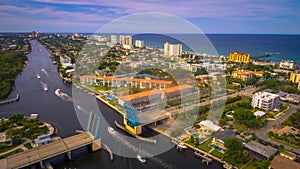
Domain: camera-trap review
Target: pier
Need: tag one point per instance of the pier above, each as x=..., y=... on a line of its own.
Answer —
x=205, y=159
x=10, y=100
x=47, y=151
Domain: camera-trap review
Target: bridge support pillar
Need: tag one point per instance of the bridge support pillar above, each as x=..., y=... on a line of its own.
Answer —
x=96, y=145
x=155, y=123
x=69, y=155
x=42, y=164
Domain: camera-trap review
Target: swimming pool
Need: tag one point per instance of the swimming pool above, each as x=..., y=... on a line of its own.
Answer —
x=216, y=147
x=110, y=97
x=196, y=134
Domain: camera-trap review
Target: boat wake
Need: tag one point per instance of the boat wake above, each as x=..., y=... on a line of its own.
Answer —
x=140, y=152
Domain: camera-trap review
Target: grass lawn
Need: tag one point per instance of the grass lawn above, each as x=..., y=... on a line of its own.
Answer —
x=3, y=149
x=250, y=165
x=217, y=154
x=205, y=146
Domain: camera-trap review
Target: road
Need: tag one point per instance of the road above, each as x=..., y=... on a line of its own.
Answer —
x=262, y=133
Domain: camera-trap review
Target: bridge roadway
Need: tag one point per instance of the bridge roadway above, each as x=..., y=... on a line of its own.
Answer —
x=46, y=151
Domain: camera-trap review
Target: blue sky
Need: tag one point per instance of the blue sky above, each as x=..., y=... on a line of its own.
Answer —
x=211, y=16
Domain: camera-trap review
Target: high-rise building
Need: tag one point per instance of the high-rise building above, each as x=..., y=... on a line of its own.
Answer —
x=113, y=39
x=122, y=39
x=128, y=40
x=265, y=100
x=239, y=57
x=295, y=77
x=172, y=49
x=139, y=43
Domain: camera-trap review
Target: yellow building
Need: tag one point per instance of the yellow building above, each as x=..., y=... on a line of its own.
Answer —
x=239, y=57
x=295, y=77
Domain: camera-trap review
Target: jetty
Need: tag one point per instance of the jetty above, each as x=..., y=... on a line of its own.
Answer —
x=205, y=159
x=10, y=100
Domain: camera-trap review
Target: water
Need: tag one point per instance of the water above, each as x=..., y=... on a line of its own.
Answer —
x=283, y=47
x=33, y=99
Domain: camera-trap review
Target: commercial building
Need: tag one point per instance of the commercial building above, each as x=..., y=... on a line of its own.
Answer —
x=170, y=93
x=295, y=77
x=139, y=43
x=113, y=39
x=287, y=64
x=172, y=49
x=280, y=162
x=265, y=100
x=239, y=57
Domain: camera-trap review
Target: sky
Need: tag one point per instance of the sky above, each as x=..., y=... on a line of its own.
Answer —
x=210, y=16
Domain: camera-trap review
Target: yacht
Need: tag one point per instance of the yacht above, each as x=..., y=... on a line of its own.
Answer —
x=139, y=157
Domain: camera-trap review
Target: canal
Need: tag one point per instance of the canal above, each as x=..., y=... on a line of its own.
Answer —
x=64, y=115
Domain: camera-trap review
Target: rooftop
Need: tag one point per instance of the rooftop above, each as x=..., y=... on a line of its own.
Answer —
x=280, y=162
x=127, y=79
x=148, y=93
x=266, y=151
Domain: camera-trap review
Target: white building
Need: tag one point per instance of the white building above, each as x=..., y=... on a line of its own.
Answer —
x=113, y=39
x=287, y=64
x=172, y=49
x=209, y=125
x=139, y=43
x=122, y=39
x=265, y=100
x=65, y=61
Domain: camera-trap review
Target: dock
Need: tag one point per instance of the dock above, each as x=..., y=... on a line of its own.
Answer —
x=10, y=100
x=205, y=159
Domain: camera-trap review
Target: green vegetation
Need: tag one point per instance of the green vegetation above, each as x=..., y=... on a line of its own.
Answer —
x=12, y=153
x=193, y=141
x=276, y=86
x=11, y=64
x=286, y=138
x=218, y=154
x=235, y=154
x=293, y=120
x=19, y=128
x=28, y=145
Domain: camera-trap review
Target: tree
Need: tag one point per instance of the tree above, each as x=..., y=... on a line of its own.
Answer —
x=16, y=118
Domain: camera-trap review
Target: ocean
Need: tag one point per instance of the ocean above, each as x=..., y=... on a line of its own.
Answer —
x=282, y=47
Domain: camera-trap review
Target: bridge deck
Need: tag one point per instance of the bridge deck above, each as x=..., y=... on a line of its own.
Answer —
x=46, y=151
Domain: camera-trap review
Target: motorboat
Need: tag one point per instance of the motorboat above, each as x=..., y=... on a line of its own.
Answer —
x=45, y=88
x=139, y=157
x=111, y=130
x=38, y=76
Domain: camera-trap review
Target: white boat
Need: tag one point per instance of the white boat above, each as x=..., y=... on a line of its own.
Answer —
x=111, y=130
x=62, y=95
x=139, y=157
x=38, y=76
x=45, y=88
